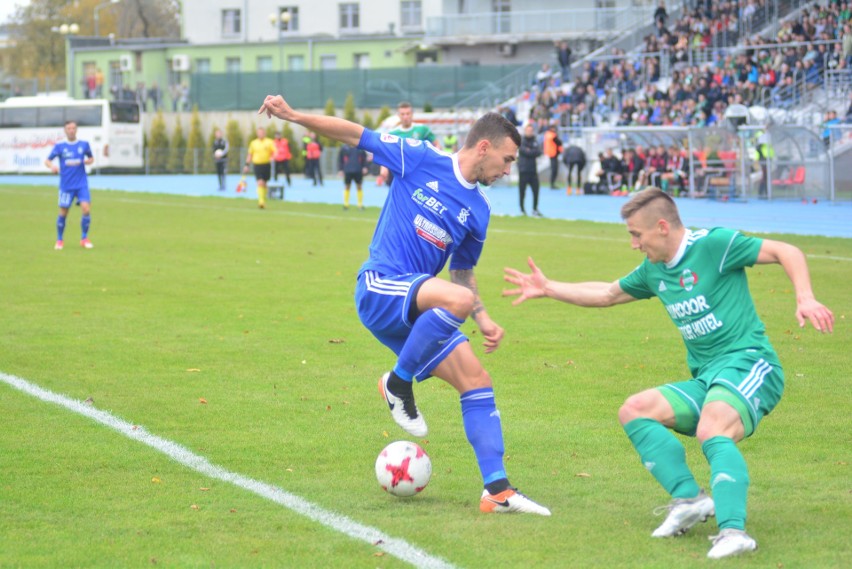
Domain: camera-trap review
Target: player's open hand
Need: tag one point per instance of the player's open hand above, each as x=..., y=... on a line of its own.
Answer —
x=821, y=317
x=530, y=285
x=275, y=105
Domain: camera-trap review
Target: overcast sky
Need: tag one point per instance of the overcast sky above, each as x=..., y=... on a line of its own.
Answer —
x=7, y=8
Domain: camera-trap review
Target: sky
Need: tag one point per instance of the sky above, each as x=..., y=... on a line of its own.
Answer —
x=7, y=8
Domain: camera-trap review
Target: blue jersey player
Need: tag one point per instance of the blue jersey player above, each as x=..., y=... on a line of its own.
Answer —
x=74, y=155
x=435, y=213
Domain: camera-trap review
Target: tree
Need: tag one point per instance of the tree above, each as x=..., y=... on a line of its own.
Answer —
x=38, y=52
x=384, y=113
x=178, y=149
x=330, y=112
x=367, y=121
x=158, y=144
x=349, y=108
x=196, y=159
x=235, y=141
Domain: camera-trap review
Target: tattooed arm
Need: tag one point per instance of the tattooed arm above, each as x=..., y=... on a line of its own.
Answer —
x=491, y=331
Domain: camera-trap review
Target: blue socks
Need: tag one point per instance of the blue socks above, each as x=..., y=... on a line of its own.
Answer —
x=84, y=224
x=663, y=456
x=484, y=432
x=729, y=481
x=430, y=332
x=60, y=227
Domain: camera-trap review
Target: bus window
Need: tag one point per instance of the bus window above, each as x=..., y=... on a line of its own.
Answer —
x=124, y=112
x=87, y=115
x=24, y=117
x=51, y=116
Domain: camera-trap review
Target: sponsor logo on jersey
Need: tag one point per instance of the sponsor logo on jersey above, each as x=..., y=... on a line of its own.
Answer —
x=385, y=137
x=688, y=280
x=413, y=142
x=432, y=233
x=432, y=185
x=429, y=202
x=463, y=215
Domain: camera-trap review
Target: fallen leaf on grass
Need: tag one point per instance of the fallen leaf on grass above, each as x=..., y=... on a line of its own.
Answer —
x=193, y=369
x=336, y=341
x=204, y=489
x=202, y=401
x=156, y=480
x=583, y=475
x=379, y=554
x=194, y=507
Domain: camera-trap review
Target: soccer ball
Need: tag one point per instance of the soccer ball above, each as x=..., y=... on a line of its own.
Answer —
x=218, y=153
x=403, y=468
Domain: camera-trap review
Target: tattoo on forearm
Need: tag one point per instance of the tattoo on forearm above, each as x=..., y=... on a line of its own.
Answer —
x=466, y=279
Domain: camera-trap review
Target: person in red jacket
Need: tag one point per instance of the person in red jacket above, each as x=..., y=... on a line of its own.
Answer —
x=282, y=157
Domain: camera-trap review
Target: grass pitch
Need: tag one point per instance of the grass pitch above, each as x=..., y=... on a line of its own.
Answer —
x=231, y=331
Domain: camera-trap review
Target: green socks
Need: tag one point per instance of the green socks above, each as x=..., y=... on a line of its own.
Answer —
x=728, y=481
x=663, y=456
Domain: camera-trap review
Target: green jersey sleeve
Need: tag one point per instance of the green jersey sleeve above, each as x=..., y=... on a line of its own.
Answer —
x=636, y=283
x=739, y=251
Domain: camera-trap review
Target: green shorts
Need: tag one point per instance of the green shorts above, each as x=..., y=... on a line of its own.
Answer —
x=748, y=381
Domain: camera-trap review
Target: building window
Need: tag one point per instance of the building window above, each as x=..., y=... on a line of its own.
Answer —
x=231, y=23
x=502, y=16
x=361, y=60
x=411, y=16
x=290, y=22
x=264, y=63
x=349, y=18
x=296, y=62
x=202, y=65
x=232, y=65
x=328, y=62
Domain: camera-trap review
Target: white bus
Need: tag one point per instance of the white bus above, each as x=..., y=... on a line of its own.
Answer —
x=30, y=126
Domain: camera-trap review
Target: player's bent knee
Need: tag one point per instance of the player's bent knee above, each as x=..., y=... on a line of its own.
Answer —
x=636, y=406
x=461, y=303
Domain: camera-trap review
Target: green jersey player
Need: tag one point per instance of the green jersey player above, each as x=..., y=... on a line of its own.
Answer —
x=736, y=377
x=407, y=129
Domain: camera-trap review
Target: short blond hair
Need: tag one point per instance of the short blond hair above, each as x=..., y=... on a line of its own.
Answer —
x=656, y=200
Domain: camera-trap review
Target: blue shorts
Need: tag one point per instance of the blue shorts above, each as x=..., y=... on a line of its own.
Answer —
x=66, y=197
x=384, y=305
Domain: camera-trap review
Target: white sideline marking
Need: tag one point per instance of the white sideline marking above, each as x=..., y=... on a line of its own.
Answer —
x=394, y=546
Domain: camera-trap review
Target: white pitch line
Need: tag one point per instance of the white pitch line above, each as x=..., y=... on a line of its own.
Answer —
x=399, y=548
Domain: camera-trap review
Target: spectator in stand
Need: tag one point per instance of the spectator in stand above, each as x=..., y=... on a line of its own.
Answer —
x=830, y=121
x=633, y=165
x=563, y=56
x=675, y=171
x=612, y=173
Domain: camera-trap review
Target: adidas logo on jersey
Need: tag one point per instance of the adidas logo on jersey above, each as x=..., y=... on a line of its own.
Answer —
x=662, y=287
x=432, y=186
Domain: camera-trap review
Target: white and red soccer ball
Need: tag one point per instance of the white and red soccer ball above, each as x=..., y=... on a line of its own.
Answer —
x=403, y=468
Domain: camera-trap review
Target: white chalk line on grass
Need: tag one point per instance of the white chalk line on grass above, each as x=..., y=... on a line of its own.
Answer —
x=373, y=221
x=399, y=548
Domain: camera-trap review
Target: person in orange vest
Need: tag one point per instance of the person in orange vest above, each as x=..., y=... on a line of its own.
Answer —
x=313, y=151
x=553, y=150
x=282, y=157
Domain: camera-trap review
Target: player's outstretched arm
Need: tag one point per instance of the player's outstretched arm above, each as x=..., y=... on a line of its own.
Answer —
x=536, y=285
x=332, y=127
x=796, y=266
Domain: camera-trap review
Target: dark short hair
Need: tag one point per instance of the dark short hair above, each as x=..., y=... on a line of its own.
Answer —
x=404, y=105
x=70, y=122
x=493, y=127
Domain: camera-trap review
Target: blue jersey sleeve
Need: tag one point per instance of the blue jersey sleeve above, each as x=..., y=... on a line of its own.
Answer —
x=54, y=152
x=390, y=151
x=467, y=255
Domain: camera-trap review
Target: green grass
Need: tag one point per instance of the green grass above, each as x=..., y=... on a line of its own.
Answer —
x=185, y=299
